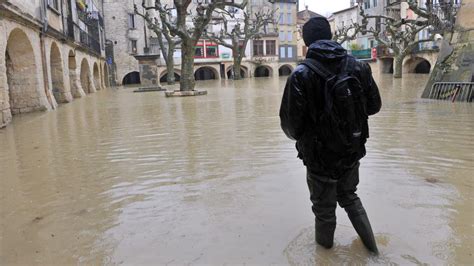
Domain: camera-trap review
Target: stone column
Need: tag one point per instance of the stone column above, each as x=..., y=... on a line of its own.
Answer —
x=148, y=67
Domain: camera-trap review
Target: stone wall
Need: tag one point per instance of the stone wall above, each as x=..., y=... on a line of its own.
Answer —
x=456, y=60
x=117, y=29
x=25, y=64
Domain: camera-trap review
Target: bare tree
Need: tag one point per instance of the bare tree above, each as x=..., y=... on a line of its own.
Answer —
x=402, y=34
x=189, y=33
x=239, y=35
x=348, y=33
x=160, y=30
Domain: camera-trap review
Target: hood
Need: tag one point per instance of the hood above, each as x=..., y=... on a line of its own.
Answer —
x=326, y=50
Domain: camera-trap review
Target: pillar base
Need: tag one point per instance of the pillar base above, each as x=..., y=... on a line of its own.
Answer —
x=148, y=89
x=178, y=93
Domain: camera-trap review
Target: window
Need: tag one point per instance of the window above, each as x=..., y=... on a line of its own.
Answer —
x=270, y=45
x=258, y=48
x=366, y=4
x=377, y=24
x=198, y=51
x=131, y=21
x=290, y=18
x=290, y=52
x=290, y=36
x=133, y=44
x=54, y=4
x=282, y=52
x=212, y=51
x=282, y=36
x=281, y=20
x=374, y=3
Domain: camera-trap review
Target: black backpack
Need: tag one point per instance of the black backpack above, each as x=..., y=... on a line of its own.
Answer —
x=342, y=124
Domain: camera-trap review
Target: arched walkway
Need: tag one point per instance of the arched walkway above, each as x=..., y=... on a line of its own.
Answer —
x=131, y=78
x=263, y=71
x=417, y=65
x=164, y=77
x=106, y=75
x=22, y=80
x=206, y=73
x=86, y=81
x=285, y=70
x=96, y=74
x=57, y=77
x=243, y=72
x=423, y=67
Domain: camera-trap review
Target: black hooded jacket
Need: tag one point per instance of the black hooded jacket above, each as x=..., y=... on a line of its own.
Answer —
x=304, y=94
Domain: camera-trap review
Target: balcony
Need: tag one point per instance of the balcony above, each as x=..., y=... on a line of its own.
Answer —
x=78, y=35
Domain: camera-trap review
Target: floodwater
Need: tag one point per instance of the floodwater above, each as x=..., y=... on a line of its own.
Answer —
x=138, y=179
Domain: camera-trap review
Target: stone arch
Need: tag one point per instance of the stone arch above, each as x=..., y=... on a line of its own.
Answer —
x=285, y=70
x=206, y=73
x=57, y=74
x=164, y=76
x=424, y=67
x=96, y=75
x=105, y=73
x=23, y=82
x=86, y=80
x=417, y=65
x=244, y=72
x=131, y=78
x=263, y=71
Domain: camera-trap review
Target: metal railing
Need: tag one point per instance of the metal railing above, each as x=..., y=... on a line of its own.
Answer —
x=452, y=91
x=75, y=33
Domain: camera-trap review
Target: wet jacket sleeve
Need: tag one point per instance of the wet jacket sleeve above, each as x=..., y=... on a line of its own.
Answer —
x=293, y=106
x=374, y=102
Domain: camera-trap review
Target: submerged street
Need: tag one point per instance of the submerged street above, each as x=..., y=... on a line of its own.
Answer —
x=119, y=177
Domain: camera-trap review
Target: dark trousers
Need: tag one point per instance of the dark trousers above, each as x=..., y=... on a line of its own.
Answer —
x=327, y=190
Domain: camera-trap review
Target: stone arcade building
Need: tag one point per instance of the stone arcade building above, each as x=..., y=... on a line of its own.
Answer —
x=51, y=51
x=273, y=54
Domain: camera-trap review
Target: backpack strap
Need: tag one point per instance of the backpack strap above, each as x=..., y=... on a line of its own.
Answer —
x=319, y=69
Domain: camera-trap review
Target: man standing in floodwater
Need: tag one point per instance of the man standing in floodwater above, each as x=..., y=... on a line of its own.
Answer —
x=325, y=108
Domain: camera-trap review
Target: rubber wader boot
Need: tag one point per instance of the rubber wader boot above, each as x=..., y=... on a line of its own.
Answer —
x=360, y=221
x=325, y=233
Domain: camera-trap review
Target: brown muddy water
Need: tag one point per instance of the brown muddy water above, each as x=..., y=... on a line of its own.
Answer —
x=138, y=179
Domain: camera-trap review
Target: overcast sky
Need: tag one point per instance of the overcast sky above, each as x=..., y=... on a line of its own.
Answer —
x=324, y=7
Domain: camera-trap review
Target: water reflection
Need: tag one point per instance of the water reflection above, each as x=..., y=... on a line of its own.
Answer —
x=141, y=179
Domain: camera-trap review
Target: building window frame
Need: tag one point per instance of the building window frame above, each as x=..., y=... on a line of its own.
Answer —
x=133, y=47
x=289, y=52
x=54, y=6
x=208, y=50
x=132, y=23
x=289, y=18
x=282, y=52
x=270, y=46
x=258, y=48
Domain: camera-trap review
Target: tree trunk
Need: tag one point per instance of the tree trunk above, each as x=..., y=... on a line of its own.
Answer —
x=398, y=66
x=187, y=81
x=170, y=65
x=237, y=63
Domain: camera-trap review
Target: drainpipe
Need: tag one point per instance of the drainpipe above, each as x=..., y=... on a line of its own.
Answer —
x=44, y=29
